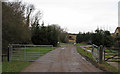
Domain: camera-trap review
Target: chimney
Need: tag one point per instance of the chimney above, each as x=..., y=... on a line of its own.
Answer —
x=119, y=14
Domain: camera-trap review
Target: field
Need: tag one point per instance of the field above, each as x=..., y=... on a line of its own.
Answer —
x=17, y=62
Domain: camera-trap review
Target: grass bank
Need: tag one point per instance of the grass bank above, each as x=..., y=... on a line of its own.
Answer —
x=104, y=66
x=17, y=66
x=81, y=44
x=14, y=66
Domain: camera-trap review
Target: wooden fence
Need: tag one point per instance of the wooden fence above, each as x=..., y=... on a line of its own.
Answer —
x=112, y=55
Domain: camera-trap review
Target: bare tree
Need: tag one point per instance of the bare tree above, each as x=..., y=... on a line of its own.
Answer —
x=29, y=9
x=36, y=18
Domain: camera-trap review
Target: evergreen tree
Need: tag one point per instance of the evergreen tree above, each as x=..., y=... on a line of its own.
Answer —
x=45, y=35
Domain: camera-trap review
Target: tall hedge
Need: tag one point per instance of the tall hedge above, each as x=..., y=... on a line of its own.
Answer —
x=44, y=35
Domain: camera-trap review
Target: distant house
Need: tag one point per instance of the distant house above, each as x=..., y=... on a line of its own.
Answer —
x=117, y=37
x=72, y=38
x=117, y=32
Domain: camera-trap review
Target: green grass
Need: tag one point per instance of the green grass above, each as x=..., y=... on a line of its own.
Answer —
x=30, y=53
x=107, y=50
x=86, y=54
x=110, y=53
x=17, y=66
x=88, y=48
x=104, y=66
x=14, y=66
x=0, y=67
x=63, y=43
x=107, y=67
x=81, y=44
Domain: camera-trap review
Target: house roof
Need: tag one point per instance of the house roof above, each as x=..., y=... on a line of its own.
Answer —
x=118, y=29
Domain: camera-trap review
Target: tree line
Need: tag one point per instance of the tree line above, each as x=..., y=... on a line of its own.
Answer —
x=21, y=26
x=100, y=37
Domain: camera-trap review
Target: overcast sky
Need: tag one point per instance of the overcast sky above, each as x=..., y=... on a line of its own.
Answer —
x=79, y=15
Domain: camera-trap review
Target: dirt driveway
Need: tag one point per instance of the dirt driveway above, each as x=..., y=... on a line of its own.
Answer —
x=63, y=59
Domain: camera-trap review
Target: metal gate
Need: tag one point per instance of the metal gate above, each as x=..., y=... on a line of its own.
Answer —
x=21, y=52
x=95, y=52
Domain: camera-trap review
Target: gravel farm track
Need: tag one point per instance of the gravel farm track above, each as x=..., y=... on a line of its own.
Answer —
x=63, y=59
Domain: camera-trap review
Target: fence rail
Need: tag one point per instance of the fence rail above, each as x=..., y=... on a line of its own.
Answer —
x=111, y=55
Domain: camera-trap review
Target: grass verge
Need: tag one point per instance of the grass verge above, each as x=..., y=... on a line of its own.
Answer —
x=81, y=44
x=62, y=43
x=0, y=67
x=17, y=66
x=14, y=66
x=104, y=66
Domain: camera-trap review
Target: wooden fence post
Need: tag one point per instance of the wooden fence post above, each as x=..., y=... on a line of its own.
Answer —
x=9, y=53
x=8, y=58
x=104, y=55
x=92, y=48
x=2, y=58
x=100, y=54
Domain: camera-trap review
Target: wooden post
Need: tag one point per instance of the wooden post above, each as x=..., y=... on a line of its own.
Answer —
x=2, y=58
x=8, y=55
x=100, y=54
x=9, y=52
x=104, y=55
x=92, y=48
